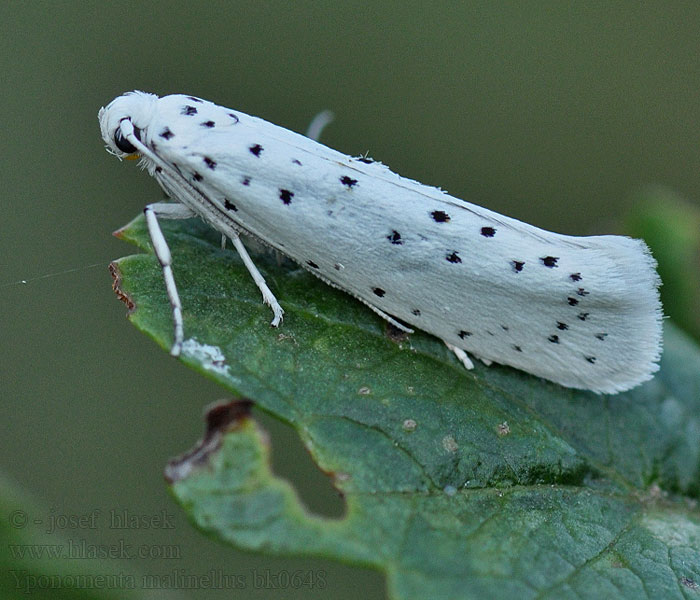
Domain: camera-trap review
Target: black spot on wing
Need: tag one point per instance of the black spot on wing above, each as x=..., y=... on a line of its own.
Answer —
x=378, y=292
x=464, y=334
x=245, y=181
x=208, y=124
x=518, y=265
x=575, y=277
x=234, y=117
x=197, y=177
x=554, y=339
x=312, y=264
x=210, y=163
x=572, y=301
x=549, y=261
x=583, y=316
x=590, y=359
x=416, y=312
x=256, y=149
x=166, y=134
x=562, y=326
x=188, y=111
x=395, y=237
x=440, y=216
x=488, y=231
x=286, y=196
x=229, y=205
x=453, y=258
x=348, y=181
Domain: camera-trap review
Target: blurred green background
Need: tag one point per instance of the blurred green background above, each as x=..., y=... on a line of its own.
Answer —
x=551, y=112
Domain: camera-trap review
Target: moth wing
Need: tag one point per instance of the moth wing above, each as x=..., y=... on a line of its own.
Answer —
x=581, y=311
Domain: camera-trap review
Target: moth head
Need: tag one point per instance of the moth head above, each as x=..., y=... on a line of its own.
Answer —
x=138, y=108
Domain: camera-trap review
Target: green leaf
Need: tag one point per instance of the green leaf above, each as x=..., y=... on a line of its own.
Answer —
x=459, y=484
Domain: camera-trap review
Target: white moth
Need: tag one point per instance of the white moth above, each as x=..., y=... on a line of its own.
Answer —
x=583, y=312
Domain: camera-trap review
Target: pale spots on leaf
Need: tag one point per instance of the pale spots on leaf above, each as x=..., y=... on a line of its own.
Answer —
x=449, y=444
x=210, y=358
x=409, y=425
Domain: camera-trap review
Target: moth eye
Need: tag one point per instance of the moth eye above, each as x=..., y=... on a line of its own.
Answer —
x=122, y=143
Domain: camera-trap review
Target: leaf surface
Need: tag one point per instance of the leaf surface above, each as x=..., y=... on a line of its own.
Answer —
x=459, y=484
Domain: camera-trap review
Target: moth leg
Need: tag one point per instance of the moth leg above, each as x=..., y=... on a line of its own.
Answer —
x=168, y=210
x=268, y=296
x=461, y=356
x=318, y=124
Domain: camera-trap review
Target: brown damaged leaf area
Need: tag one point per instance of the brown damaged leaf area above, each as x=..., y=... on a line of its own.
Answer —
x=220, y=419
x=395, y=334
x=117, y=287
x=119, y=233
